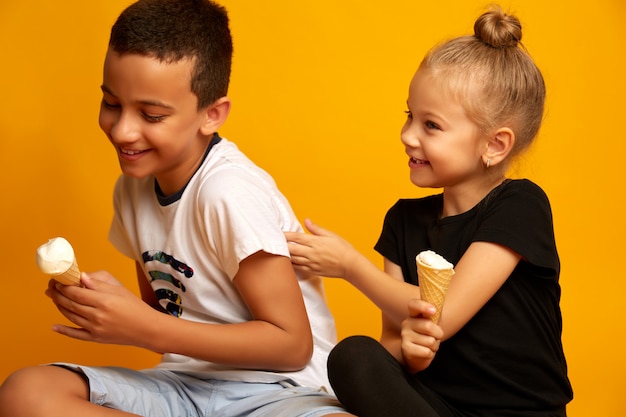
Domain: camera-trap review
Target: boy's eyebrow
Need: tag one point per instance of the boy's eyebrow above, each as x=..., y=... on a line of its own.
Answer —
x=157, y=103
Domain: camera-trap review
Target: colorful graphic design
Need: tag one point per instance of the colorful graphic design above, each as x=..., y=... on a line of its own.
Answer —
x=173, y=301
x=164, y=258
x=164, y=276
x=168, y=298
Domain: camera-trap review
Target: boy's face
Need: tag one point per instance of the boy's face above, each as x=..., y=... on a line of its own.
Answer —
x=150, y=115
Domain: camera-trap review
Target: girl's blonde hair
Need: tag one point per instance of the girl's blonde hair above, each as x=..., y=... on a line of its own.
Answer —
x=493, y=76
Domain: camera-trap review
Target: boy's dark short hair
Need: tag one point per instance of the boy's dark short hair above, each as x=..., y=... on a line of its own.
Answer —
x=171, y=30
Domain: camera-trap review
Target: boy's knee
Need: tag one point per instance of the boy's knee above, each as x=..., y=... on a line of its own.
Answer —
x=30, y=388
x=25, y=382
x=17, y=391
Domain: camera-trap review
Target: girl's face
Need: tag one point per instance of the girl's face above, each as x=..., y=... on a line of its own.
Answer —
x=150, y=115
x=443, y=144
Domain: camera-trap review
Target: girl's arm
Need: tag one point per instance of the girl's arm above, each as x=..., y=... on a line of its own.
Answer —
x=415, y=341
x=480, y=272
x=390, y=337
x=327, y=254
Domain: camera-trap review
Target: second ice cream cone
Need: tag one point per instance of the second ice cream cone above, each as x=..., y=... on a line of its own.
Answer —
x=434, y=274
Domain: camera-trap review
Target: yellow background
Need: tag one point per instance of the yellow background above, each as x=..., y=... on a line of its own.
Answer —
x=319, y=88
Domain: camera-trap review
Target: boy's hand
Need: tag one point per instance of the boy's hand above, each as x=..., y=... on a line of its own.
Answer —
x=103, y=310
x=319, y=253
x=420, y=336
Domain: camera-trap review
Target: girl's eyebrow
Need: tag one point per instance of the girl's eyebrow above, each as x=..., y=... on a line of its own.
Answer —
x=157, y=103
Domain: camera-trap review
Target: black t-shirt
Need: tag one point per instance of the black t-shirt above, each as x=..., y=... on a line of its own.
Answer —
x=509, y=356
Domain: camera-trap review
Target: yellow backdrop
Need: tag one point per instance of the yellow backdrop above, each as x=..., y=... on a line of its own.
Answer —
x=319, y=88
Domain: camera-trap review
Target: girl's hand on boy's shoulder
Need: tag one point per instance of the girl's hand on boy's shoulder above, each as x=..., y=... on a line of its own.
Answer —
x=420, y=336
x=319, y=253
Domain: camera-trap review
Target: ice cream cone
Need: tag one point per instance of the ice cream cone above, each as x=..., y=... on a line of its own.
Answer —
x=56, y=259
x=434, y=274
x=70, y=277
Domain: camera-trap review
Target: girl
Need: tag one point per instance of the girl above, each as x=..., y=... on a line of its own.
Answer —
x=474, y=104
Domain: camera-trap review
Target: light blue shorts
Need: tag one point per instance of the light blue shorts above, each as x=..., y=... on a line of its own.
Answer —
x=162, y=393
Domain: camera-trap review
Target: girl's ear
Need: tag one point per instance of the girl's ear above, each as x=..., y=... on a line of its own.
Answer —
x=215, y=115
x=498, y=146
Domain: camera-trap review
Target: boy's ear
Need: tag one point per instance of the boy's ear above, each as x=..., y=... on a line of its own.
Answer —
x=498, y=146
x=215, y=115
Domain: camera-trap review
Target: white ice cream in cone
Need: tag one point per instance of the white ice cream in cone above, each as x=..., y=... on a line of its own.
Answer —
x=56, y=258
x=434, y=274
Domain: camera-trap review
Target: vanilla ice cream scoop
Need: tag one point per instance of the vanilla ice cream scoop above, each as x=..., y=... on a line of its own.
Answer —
x=433, y=259
x=434, y=273
x=56, y=258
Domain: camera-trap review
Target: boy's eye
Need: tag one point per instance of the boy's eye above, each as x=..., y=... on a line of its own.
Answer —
x=110, y=105
x=153, y=118
x=409, y=115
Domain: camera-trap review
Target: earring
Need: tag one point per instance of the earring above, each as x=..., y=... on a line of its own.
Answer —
x=488, y=163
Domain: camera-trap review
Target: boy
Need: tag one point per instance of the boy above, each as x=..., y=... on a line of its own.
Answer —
x=205, y=227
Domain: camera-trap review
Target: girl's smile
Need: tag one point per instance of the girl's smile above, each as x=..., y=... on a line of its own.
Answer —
x=417, y=163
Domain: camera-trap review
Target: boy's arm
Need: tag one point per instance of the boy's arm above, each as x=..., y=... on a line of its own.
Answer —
x=278, y=337
x=145, y=289
x=282, y=332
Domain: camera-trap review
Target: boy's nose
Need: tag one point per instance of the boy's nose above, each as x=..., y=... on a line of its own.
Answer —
x=125, y=129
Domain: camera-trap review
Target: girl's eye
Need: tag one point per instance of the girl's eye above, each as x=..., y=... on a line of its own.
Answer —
x=431, y=125
x=409, y=115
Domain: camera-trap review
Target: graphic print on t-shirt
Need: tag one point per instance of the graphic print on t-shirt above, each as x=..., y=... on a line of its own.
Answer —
x=168, y=298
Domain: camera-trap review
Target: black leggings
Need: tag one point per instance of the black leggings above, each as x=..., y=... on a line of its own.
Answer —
x=369, y=381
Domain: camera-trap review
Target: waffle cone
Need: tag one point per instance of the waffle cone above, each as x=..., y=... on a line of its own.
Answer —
x=71, y=276
x=433, y=285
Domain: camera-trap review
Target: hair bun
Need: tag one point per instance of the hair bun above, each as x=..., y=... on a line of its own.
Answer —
x=498, y=29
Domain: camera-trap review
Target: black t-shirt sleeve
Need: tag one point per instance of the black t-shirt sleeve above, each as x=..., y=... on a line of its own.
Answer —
x=387, y=244
x=520, y=218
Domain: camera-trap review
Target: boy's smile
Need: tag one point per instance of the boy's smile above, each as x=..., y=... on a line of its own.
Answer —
x=150, y=115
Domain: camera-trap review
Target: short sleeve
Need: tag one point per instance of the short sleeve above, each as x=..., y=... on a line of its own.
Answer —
x=387, y=244
x=520, y=218
x=243, y=217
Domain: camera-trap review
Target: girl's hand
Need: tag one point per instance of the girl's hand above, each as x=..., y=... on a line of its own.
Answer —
x=103, y=310
x=319, y=253
x=420, y=336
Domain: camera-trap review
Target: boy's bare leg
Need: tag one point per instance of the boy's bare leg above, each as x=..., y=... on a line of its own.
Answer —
x=49, y=391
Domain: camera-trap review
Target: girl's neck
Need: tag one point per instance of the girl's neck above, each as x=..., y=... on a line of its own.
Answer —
x=460, y=198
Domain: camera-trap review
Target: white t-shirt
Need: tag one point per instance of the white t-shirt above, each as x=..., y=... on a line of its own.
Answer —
x=191, y=249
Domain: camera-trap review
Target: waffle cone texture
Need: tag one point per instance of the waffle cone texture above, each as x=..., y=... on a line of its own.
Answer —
x=71, y=276
x=433, y=285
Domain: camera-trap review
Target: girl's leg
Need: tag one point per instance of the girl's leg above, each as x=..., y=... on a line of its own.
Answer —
x=370, y=382
x=49, y=391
